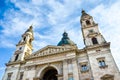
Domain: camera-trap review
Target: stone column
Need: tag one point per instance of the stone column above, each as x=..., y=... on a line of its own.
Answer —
x=65, y=70
x=75, y=70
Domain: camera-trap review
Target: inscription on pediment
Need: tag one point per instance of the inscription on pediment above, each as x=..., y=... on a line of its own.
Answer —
x=49, y=51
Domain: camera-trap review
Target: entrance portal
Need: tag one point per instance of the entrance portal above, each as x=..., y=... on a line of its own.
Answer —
x=50, y=74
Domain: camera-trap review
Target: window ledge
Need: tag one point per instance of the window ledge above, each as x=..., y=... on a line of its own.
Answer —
x=85, y=71
x=70, y=73
x=103, y=67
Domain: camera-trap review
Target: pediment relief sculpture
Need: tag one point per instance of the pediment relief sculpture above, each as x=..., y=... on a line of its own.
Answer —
x=48, y=50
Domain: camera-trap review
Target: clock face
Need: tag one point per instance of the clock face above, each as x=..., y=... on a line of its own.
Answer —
x=20, y=48
x=91, y=31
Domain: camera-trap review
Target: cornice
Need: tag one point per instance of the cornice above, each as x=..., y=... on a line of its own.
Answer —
x=90, y=26
x=21, y=43
x=90, y=35
x=24, y=43
x=81, y=50
x=17, y=52
x=14, y=63
x=34, y=57
x=97, y=46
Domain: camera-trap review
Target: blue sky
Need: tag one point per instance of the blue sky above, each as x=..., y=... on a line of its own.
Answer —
x=50, y=18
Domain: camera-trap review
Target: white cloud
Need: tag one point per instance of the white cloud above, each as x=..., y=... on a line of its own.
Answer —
x=2, y=68
x=6, y=43
x=17, y=21
x=61, y=12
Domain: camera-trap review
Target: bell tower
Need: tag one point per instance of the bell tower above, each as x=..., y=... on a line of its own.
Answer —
x=98, y=51
x=24, y=46
x=90, y=31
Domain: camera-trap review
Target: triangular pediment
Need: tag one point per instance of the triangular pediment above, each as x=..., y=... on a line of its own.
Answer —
x=49, y=50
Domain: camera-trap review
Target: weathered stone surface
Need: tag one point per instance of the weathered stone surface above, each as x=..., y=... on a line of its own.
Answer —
x=66, y=62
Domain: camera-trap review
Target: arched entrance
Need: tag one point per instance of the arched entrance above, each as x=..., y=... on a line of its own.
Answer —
x=50, y=73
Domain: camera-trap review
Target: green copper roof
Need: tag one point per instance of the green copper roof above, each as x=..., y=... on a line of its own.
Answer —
x=65, y=40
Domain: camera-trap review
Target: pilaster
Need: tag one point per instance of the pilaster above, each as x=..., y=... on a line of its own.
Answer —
x=65, y=70
x=75, y=70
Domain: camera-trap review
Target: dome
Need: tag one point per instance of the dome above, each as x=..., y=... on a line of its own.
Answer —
x=65, y=40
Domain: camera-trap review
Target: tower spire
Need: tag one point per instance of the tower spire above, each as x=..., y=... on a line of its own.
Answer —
x=24, y=46
x=30, y=30
x=27, y=37
x=91, y=34
x=84, y=14
x=83, y=11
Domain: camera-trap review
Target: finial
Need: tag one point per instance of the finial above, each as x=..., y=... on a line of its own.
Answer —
x=30, y=29
x=31, y=26
x=64, y=31
x=83, y=11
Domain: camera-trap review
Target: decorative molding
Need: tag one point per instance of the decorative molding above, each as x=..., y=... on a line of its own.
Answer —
x=85, y=71
x=107, y=77
x=93, y=47
x=50, y=50
x=30, y=68
x=94, y=34
x=103, y=67
x=18, y=52
x=17, y=62
x=101, y=52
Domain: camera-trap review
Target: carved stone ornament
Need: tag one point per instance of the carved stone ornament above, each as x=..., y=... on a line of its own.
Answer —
x=30, y=68
x=18, y=52
x=107, y=77
x=49, y=50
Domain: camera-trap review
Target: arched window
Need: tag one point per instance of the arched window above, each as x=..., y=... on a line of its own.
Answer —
x=88, y=22
x=94, y=40
x=84, y=67
x=102, y=63
x=30, y=41
x=20, y=48
x=24, y=38
x=21, y=76
x=70, y=78
x=16, y=57
x=9, y=76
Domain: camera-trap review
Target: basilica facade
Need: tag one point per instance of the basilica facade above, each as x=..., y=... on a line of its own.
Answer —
x=64, y=61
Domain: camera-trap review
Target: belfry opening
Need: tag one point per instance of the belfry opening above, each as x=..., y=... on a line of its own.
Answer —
x=50, y=73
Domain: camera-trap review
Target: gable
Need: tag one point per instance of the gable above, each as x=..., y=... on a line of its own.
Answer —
x=49, y=50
